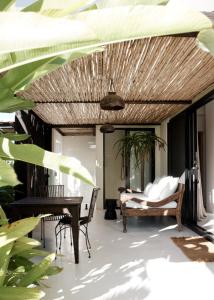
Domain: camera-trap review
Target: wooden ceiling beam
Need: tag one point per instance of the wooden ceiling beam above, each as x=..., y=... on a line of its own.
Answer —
x=98, y=123
x=129, y=102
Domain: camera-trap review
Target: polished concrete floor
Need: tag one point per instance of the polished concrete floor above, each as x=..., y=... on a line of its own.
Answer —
x=140, y=264
x=208, y=223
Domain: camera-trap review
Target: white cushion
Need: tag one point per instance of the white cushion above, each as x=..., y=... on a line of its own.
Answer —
x=147, y=189
x=156, y=189
x=182, y=178
x=157, y=179
x=133, y=204
x=170, y=188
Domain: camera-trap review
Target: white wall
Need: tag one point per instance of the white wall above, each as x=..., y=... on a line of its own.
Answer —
x=209, y=109
x=99, y=166
x=82, y=148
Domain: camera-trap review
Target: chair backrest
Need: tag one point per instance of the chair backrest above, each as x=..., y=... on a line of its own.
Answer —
x=51, y=190
x=92, y=203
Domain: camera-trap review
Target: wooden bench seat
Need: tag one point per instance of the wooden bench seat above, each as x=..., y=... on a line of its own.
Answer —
x=153, y=208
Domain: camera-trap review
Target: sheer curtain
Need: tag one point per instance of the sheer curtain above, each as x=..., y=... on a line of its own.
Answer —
x=201, y=212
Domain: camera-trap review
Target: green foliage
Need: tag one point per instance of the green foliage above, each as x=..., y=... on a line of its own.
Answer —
x=91, y=28
x=7, y=175
x=38, y=156
x=7, y=195
x=140, y=144
x=6, y=4
x=17, y=271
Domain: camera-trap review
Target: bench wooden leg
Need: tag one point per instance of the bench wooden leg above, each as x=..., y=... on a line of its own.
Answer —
x=124, y=223
x=178, y=218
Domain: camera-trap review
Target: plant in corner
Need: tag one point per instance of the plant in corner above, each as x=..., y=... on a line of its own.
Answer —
x=140, y=144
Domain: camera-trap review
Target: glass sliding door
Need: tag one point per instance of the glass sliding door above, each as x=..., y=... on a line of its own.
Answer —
x=205, y=164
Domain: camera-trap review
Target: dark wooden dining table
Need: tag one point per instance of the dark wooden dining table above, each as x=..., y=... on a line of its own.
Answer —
x=33, y=206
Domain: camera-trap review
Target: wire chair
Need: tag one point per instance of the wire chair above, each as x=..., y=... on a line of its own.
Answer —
x=50, y=191
x=66, y=222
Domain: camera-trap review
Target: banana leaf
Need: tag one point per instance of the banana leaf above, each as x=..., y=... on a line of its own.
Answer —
x=7, y=175
x=6, y=4
x=56, y=8
x=113, y=3
x=205, y=40
x=9, y=103
x=38, y=156
x=89, y=29
x=2, y=214
x=15, y=136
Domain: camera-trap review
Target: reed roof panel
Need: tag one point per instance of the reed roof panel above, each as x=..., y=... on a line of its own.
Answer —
x=160, y=68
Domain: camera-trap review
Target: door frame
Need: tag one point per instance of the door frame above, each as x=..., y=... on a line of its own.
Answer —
x=189, y=114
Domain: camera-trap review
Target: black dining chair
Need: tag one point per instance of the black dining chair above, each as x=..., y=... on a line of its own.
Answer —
x=50, y=191
x=66, y=222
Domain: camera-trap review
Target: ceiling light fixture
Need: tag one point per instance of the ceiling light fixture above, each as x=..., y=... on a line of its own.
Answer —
x=112, y=101
x=107, y=128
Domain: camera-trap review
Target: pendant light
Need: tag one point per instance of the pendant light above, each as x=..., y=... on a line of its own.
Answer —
x=107, y=128
x=112, y=101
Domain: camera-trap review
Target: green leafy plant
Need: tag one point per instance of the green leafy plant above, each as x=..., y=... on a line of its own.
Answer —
x=7, y=195
x=139, y=143
x=20, y=277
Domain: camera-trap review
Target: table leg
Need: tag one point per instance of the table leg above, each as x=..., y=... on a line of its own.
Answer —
x=75, y=232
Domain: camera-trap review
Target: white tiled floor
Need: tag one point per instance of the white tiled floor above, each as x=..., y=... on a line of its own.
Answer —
x=140, y=264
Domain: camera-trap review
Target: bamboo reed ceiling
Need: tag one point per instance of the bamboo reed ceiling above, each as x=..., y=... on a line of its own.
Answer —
x=157, y=77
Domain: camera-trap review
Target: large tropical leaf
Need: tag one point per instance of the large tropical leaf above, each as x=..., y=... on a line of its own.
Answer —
x=15, y=136
x=7, y=175
x=56, y=8
x=6, y=4
x=18, y=77
x=36, y=70
x=33, y=30
x=20, y=293
x=89, y=28
x=21, y=77
x=37, y=271
x=38, y=156
x=9, y=103
x=112, y=3
x=205, y=40
x=12, y=232
x=2, y=214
